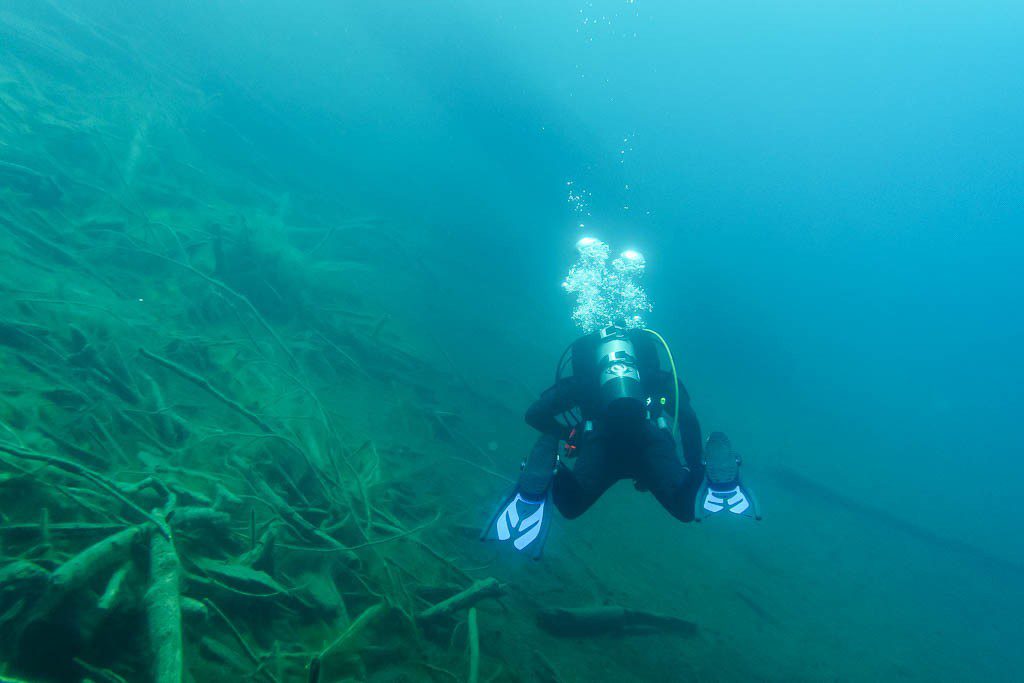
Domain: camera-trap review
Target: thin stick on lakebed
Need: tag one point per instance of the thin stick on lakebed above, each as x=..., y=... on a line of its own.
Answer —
x=480, y=590
x=610, y=619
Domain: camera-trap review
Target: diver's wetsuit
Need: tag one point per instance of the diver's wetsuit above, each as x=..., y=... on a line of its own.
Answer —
x=645, y=453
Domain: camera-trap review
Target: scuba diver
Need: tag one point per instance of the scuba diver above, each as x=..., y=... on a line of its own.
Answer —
x=618, y=415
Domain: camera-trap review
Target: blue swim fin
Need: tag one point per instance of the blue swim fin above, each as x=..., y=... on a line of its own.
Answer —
x=524, y=517
x=522, y=522
x=723, y=490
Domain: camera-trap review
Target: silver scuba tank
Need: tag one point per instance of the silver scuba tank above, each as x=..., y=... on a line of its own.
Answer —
x=622, y=394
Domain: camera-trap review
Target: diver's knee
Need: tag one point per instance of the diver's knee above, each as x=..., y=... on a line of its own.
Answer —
x=573, y=513
x=684, y=513
x=571, y=499
x=685, y=516
x=568, y=510
x=678, y=502
x=569, y=506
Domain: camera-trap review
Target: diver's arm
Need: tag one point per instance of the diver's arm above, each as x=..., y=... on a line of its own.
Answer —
x=686, y=420
x=555, y=400
x=689, y=429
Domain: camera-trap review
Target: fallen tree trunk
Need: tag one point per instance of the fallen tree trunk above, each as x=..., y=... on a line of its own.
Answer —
x=163, y=611
x=83, y=567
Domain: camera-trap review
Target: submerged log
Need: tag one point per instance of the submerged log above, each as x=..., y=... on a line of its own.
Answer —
x=485, y=588
x=197, y=517
x=610, y=619
x=83, y=567
x=163, y=611
x=242, y=578
x=806, y=488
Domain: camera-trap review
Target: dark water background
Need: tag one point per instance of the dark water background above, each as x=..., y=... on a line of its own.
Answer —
x=829, y=197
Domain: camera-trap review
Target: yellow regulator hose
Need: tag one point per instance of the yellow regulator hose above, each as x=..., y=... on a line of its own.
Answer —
x=675, y=381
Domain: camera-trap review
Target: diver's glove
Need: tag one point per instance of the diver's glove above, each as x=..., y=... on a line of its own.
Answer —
x=722, y=490
x=523, y=517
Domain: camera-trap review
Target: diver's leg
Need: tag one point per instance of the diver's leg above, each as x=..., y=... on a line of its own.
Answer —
x=658, y=468
x=520, y=519
x=576, y=489
x=690, y=440
x=539, y=467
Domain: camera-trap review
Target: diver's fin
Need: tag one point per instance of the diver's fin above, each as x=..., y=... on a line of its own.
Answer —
x=523, y=518
x=521, y=522
x=723, y=490
x=738, y=500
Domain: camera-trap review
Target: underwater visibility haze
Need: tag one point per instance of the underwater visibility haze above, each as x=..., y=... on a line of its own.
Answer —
x=280, y=281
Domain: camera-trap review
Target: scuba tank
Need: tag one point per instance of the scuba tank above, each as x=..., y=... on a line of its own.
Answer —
x=611, y=366
x=622, y=397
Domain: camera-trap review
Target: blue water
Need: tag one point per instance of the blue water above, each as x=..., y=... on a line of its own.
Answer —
x=830, y=199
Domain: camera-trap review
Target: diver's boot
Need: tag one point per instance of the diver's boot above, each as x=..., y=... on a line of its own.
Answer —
x=522, y=517
x=722, y=489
